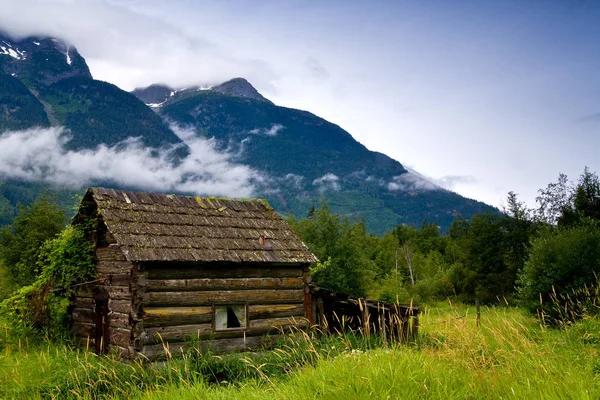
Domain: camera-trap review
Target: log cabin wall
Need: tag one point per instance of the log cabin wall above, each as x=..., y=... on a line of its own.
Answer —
x=103, y=316
x=172, y=267
x=181, y=300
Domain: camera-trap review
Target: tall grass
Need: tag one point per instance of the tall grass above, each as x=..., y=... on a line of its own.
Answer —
x=510, y=355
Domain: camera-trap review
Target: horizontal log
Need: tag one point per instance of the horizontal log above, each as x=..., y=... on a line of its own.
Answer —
x=119, y=336
x=110, y=253
x=224, y=297
x=279, y=310
x=167, y=316
x=217, y=345
x=199, y=272
x=119, y=320
x=83, y=315
x=275, y=324
x=91, y=291
x=177, y=333
x=113, y=267
x=84, y=302
x=176, y=285
x=119, y=292
x=120, y=306
x=205, y=331
x=116, y=279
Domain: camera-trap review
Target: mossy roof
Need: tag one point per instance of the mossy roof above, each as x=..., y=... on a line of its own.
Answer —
x=164, y=227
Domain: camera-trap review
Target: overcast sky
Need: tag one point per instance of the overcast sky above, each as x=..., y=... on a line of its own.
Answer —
x=484, y=97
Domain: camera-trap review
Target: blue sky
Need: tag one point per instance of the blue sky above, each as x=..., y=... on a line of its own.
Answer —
x=484, y=97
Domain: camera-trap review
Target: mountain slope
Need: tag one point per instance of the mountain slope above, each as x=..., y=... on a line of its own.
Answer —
x=297, y=159
x=308, y=160
x=45, y=74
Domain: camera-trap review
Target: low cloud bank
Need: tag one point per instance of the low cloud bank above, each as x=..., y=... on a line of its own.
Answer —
x=39, y=154
x=327, y=181
x=272, y=131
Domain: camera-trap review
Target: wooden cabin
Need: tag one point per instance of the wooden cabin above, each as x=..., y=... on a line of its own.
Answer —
x=171, y=268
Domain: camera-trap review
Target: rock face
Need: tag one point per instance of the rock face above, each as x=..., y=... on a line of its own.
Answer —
x=154, y=94
x=41, y=61
x=239, y=87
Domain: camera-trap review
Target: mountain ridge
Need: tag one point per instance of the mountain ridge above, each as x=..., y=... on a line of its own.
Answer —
x=303, y=159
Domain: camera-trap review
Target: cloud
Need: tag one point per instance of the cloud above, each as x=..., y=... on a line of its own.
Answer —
x=134, y=44
x=294, y=180
x=272, y=131
x=411, y=181
x=39, y=155
x=328, y=180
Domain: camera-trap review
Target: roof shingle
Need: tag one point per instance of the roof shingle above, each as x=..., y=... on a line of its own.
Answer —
x=161, y=227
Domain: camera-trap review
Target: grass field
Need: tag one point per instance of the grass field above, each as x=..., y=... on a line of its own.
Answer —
x=508, y=356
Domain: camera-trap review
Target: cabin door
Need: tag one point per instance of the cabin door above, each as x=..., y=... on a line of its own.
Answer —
x=101, y=322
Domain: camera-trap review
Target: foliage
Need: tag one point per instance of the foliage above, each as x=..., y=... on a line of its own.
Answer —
x=509, y=356
x=343, y=249
x=44, y=305
x=20, y=243
x=561, y=261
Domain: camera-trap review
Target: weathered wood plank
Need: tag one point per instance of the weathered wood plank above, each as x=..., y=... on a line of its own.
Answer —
x=83, y=314
x=177, y=333
x=217, y=345
x=205, y=331
x=113, y=267
x=110, y=253
x=167, y=316
x=119, y=292
x=119, y=320
x=278, y=310
x=120, y=306
x=224, y=297
x=84, y=302
x=119, y=336
x=273, y=324
x=174, y=285
x=201, y=272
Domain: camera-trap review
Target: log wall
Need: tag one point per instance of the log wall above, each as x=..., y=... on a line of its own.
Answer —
x=178, y=303
x=115, y=288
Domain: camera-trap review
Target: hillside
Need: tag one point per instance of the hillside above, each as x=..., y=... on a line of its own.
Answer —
x=301, y=159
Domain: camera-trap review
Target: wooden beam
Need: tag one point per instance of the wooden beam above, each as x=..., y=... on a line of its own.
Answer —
x=206, y=298
x=175, y=271
x=176, y=285
x=168, y=316
x=277, y=310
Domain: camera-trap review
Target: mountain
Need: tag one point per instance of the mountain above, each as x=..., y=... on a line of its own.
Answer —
x=302, y=159
x=45, y=74
x=309, y=160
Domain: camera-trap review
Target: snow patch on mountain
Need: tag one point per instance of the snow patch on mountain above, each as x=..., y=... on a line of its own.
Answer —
x=8, y=49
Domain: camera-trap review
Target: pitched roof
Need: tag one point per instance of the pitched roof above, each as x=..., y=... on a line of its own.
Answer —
x=161, y=227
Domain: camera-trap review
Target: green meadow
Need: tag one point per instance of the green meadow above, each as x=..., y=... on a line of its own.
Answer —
x=509, y=355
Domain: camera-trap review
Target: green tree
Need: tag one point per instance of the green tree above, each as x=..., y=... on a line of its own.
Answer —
x=20, y=243
x=344, y=249
x=560, y=261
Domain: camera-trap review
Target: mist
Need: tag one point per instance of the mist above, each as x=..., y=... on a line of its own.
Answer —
x=40, y=154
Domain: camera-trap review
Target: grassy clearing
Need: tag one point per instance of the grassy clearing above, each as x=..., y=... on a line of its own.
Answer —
x=509, y=356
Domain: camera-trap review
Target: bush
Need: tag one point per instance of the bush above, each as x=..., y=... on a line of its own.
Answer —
x=44, y=305
x=561, y=262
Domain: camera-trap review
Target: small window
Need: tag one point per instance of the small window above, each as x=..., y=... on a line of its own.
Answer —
x=230, y=317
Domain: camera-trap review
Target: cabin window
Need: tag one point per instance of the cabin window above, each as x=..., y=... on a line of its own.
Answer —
x=230, y=317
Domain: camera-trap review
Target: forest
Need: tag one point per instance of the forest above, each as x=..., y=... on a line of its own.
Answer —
x=533, y=270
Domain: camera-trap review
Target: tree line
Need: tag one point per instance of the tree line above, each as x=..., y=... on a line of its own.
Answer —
x=522, y=256
x=531, y=257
